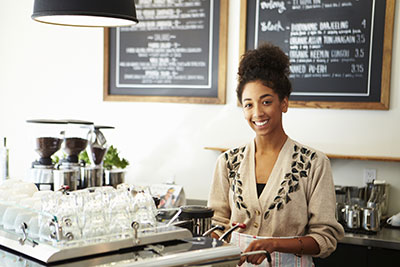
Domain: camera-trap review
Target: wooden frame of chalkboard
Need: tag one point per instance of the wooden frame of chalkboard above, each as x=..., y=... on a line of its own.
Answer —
x=340, y=52
x=179, y=57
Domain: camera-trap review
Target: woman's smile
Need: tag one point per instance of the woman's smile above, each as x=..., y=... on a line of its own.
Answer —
x=260, y=123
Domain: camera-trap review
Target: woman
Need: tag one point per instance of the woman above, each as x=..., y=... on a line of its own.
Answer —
x=282, y=190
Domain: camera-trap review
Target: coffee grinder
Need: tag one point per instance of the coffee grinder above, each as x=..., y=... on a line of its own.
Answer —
x=94, y=175
x=68, y=172
x=48, y=139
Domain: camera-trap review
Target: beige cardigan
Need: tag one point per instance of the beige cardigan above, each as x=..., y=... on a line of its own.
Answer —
x=298, y=199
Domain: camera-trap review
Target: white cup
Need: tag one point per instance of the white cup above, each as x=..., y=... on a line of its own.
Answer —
x=3, y=194
x=9, y=217
x=44, y=230
x=40, y=194
x=3, y=206
x=394, y=220
x=9, y=183
x=22, y=217
x=33, y=227
x=27, y=188
x=18, y=197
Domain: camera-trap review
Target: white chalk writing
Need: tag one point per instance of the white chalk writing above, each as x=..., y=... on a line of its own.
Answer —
x=271, y=27
x=280, y=5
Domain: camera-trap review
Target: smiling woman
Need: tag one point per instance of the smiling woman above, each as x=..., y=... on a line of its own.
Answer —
x=263, y=109
x=274, y=184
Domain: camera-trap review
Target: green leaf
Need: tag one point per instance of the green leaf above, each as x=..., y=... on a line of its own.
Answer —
x=112, y=159
x=85, y=157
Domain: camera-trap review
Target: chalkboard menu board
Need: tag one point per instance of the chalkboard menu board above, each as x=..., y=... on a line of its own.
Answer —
x=176, y=53
x=339, y=50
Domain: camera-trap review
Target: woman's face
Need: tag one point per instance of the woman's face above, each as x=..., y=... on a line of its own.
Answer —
x=262, y=108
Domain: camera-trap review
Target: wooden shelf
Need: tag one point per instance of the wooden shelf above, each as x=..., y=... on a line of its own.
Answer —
x=220, y=149
x=376, y=158
x=332, y=156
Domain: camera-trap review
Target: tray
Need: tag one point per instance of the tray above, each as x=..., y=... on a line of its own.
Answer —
x=49, y=253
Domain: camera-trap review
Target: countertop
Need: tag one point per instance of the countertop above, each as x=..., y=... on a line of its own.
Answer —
x=385, y=238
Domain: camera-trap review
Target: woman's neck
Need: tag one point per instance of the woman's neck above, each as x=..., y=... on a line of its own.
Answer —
x=270, y=143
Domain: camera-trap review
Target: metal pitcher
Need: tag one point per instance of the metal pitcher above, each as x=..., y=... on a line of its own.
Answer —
x=370, y=219
x=353, y=218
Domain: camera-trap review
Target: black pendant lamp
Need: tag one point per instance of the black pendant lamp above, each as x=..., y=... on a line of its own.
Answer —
x=86, y=13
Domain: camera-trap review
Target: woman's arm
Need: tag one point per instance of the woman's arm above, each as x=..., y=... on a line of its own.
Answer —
x=322, y=224
x=218, y=198
x=299, y=245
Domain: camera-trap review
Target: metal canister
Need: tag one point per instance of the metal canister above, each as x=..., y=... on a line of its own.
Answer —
x=345, y=213
x=370, y=219
x=92, y=176
x=66, y=177
x=200, y=217
x=340, y=212
x=353, y=218
x=114, y=177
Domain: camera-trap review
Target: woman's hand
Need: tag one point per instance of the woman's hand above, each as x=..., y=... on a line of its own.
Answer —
x=261, y=244
x=298, y=245
x=214, y=235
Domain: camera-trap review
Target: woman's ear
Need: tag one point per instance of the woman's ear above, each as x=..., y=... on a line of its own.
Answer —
x=285, y=104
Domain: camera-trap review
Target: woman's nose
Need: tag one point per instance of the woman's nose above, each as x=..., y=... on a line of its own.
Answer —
x=258, y=111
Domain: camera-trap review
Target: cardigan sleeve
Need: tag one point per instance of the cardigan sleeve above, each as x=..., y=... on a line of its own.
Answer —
x=218, y=198
x=322, y=224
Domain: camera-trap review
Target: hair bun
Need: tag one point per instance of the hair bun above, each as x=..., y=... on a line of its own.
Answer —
x=269, y=57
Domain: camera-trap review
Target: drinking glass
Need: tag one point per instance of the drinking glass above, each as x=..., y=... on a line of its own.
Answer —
x=94, y=216
x=80, y=198
x=144, y=209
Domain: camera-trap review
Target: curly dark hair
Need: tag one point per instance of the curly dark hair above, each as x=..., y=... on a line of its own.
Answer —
x=268, y=64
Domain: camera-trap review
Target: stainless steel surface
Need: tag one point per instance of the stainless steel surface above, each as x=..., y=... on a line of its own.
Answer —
x=370, y=219
x=92, y=176
x=200, y=226
x=385, y=238
x=198, y=218
x=188, y=252
x=212, y=229
x=199, y=202
x=48, y=253
x=379, y=195
x=114, y=177
x=41, y=174
x=345, y=212
x=353, y=218
x=66, y=177
x=340, y=212
x=191, y=258
x=350, y=192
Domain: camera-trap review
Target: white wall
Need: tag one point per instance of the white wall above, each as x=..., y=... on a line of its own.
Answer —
x=57, y=72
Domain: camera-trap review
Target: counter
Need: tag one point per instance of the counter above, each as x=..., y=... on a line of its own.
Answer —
x=385, y=238
x=197, y=251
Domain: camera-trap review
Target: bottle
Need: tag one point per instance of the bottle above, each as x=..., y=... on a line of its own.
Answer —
x=4, y=161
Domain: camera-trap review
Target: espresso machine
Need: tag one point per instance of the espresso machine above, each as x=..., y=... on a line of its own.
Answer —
x=93, y=175
x=377, y=196
x=48, y=140
x=67, y=174
x=362, y=207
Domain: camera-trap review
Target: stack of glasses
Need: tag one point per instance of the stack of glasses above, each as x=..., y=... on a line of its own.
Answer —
x=86, y=216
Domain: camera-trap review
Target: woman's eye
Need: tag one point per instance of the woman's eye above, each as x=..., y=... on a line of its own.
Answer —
x=266, y=102
x=247, y=105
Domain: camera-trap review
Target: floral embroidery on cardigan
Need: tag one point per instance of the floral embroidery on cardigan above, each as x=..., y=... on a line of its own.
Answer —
x=300, y=167
x=233, y=159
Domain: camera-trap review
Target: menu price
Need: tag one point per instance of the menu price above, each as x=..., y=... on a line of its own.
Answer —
x=326, y=40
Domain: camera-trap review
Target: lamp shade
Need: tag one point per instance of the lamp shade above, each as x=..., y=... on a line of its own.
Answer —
x=86, y=13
